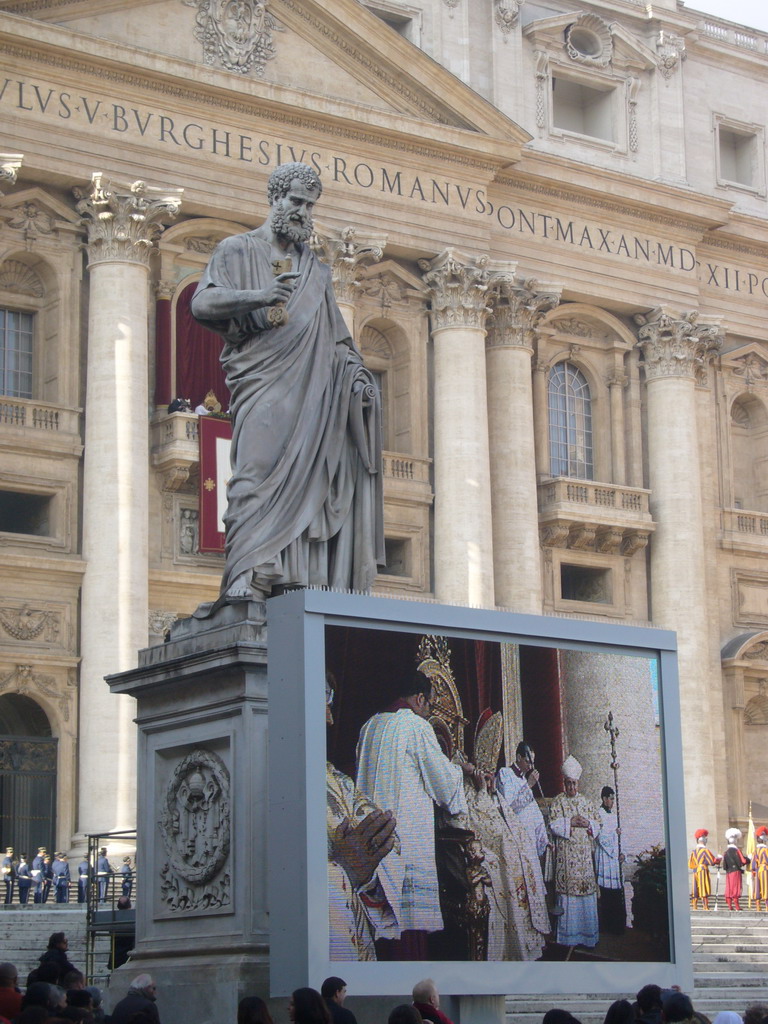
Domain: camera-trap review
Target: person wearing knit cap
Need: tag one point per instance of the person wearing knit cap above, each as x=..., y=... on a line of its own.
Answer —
x=699, y=863
x=760, y=868
x=734, y=863
x=574, y=823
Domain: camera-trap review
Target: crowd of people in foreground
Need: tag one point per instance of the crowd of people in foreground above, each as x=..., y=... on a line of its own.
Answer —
x=56, y=993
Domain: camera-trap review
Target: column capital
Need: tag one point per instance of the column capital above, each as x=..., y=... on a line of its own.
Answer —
x=123, y=221
x=347, y=255
x=517, y=307
x=458, y=287
x=677, y=344
x=10, y=165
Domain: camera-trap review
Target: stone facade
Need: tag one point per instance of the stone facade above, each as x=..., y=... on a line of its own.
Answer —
x=519, y=197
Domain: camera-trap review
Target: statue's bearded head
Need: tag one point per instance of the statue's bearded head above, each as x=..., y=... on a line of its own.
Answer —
x=292, y=191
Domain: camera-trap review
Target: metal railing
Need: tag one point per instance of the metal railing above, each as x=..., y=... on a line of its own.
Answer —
x=106, y=912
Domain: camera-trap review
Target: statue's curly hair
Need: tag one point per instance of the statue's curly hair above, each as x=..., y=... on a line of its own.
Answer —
x=281, y=179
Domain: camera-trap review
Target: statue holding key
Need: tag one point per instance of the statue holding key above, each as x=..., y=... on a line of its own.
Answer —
x=305, y=496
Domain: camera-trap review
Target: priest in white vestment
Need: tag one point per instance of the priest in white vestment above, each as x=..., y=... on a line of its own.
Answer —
x=401, y=768
x=574, y=823
x=515, y=786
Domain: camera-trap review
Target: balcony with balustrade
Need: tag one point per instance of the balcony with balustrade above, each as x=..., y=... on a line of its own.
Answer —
x=30, y=426
x=590, y=516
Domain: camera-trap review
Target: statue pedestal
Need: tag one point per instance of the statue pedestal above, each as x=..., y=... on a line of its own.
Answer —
x=201, y=914
x=202, y=925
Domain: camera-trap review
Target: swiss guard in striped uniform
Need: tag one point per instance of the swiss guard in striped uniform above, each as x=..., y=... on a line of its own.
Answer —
x=760, y=868
x=699, y=862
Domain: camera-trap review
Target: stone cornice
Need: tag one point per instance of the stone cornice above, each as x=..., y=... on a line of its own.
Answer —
x=652, y=202
x=105, y=61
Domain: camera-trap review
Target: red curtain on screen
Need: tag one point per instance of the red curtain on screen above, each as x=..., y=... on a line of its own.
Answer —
x=198, y=369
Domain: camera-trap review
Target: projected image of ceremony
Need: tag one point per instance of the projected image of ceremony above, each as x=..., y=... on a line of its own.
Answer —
x=493, y=801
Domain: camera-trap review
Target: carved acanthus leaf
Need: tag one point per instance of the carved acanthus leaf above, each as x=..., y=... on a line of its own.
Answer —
x=677, y=345
x=347, y=256
x=458, y=288
x=10, y=165
x=517, y=307
x=123, y=223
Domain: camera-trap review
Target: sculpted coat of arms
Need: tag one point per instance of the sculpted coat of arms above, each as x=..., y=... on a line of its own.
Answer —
x=195, y=828
x=236, y=34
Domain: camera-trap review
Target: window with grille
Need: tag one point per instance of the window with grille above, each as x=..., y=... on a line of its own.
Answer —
x=570, y=423
x=16, y=353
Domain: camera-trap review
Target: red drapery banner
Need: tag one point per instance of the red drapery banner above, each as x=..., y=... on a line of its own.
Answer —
x=215, y=440
x=198, y=369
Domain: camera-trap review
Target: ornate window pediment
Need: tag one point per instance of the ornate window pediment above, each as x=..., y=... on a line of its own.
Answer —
x=590, y=41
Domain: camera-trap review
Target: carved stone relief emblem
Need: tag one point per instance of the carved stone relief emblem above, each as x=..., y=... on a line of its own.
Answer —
x=670, y=50
x=236, y=34
x=506, y=13
x=752, y=369
x=32, y=221
x=195, y=826
x=189, y=531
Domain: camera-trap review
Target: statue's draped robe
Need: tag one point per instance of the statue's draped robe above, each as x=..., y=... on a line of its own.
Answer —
x=305, y=496
x=575, y=882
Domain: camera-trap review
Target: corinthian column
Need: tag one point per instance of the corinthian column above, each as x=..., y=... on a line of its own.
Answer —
x=675, y=348
x=458, y=287
x=347, y=256
x=122, y=224
x=518, y=306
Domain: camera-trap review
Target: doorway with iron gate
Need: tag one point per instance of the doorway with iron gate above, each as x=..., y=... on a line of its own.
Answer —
x=28, y=760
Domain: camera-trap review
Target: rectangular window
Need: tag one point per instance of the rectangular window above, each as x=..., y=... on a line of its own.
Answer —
x=582, y=583
x=582, y=109
x=737, y=156
x=398, y=555
x=16, y=353
x=25, y=513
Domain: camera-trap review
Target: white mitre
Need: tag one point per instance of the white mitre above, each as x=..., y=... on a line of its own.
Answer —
x=571, y=768
x=732, y=834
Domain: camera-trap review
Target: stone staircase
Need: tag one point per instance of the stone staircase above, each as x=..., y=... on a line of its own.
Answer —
x=24, y=933
x=730, y=968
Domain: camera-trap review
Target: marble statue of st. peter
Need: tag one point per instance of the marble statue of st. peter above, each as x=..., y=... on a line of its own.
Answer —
x=305, y=496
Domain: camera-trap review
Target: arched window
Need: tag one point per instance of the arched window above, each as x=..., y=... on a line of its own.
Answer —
x=570, y=423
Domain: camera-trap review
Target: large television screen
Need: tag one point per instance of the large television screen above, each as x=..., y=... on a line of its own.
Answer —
x=494, y=800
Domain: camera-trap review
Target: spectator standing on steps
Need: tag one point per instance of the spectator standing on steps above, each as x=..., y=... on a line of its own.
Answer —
x=56, y=954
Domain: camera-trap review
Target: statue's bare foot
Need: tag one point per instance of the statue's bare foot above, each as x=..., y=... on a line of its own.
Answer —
x=243, y=590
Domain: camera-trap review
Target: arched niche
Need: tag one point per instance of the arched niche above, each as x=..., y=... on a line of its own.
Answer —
x=385, y=349
x=749, y=453
x=745, y=673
